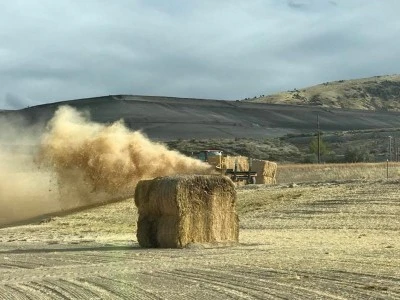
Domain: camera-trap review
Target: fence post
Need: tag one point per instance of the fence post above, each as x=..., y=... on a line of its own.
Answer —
x=387, y=169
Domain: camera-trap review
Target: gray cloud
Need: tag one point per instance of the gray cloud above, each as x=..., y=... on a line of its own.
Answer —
x=65, y=49
x=297, y=4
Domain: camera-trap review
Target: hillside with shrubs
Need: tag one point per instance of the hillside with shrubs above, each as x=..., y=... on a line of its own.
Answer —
x=373, y=93
x=335, y=147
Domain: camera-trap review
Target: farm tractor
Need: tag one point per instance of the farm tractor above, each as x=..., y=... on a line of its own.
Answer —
x=228, y=166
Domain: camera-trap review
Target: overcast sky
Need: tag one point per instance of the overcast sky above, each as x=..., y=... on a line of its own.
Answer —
x=53, y=50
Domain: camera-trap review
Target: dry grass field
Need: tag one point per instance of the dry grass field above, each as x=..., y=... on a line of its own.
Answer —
x=288, y=173
x=318, y=240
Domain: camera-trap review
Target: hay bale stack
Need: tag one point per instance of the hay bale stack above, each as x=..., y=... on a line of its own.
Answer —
x=215, y=161
x=242, y=163
x=179, y=210
x=266, y=171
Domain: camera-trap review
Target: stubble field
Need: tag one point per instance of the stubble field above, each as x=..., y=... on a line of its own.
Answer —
x=318, y=240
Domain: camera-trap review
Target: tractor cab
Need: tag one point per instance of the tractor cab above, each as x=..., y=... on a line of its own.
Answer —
x=205, y=155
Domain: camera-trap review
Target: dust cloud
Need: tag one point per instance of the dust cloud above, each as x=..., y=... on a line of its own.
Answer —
x=74, y=163
x=24, y=188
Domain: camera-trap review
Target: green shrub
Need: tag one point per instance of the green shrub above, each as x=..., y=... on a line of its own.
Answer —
x=358, y=154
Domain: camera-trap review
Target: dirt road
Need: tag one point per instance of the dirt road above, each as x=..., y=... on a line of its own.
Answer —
x=314, y=241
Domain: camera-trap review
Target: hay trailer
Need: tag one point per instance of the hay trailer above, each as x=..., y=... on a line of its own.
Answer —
x=233, y=168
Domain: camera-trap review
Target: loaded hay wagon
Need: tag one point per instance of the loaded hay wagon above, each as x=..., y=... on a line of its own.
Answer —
x=240, y=169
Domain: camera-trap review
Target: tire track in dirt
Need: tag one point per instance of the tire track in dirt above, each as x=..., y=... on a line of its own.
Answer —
x=83, y=290
x=67, y=271
x=121, y=281
x=15, y=264
x=234, y=284
x=344, y=284
x=57, y=289
x=258, y=283
x=224, y=288
x=353, y=288
x=121, y=288
x=48, y=290
x=94, y=287
x=21, y=293
x=6, y=293
x=73, y=282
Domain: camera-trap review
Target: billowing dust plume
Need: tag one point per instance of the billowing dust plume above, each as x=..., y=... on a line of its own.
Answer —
x=94, y=158
x=78, y=163
x=24, y=189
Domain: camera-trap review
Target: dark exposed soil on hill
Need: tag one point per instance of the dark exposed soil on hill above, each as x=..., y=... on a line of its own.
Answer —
x=166, y=118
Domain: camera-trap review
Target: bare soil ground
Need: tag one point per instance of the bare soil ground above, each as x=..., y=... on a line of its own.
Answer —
x=324, y=240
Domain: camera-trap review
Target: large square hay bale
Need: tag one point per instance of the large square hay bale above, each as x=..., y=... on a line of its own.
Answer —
x=266, y=171
x=242, y=163
x=179, y=210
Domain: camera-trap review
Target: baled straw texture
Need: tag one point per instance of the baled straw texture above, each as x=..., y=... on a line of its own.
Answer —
x=241, y=161
x=179, y=210
x=266, y=171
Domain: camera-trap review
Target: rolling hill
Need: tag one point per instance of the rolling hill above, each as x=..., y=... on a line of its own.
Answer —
x=167, y=118
x=374, y=93
x=359, y=113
